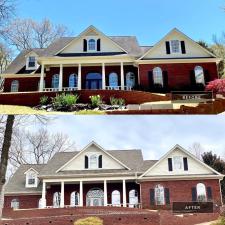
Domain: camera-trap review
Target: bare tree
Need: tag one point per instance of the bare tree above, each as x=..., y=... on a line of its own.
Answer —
x=7, y=9
x=197, y=150
x=5, y=57
x=37, y=147
x=28, y=34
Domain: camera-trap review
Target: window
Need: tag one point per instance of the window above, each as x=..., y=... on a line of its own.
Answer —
x=175, y=46
x=74, y=199
x=201, y=193
x=15, y=204
x=91, y=45
x=56, y=199
x=157, y=76
x=199, y=75
x=133, y=198
x=93, y=162
x=178, y=162
x=159, y=195
x=73, y=80
x=55, y=81
x=116, y=198
x=15, y=86
x=31, y=61
x=130, y=79
x=113, y=80
x=31, y=178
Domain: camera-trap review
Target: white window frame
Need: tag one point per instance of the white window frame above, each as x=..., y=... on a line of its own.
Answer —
x=14, y=86
x=31, y=172
x=156, y=72
x=203, y=75
x=161, y=188
x=92, y=50
x=201, y=185
x=182, y=162
x=15, y=204
x=171, y=48
x=97, y=162
x=28, y=60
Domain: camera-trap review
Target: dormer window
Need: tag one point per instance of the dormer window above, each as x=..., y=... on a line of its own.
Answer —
x=93, y=161
x=178, y=163
x=175, y=46
x=31, y=179
x=92, y=45
x=31, y=63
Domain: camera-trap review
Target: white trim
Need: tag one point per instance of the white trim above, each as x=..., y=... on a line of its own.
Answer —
x=20, y=75
x=98, y=146
x=31, y=169
x=186, y=152
x=175, y=53
x=171, y=32
x=27, y=62
x=90, y=28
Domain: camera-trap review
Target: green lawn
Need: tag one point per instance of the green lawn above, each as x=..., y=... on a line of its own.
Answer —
x=19, y=110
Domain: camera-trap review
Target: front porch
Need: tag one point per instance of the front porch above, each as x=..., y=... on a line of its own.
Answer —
x=70, y=194
x=104, y=76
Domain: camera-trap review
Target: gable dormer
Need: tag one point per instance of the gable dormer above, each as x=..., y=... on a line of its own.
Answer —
x=93, y=157
x=31, y=178
x=31, y=61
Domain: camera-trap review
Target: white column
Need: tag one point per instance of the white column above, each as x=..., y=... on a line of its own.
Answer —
x=61, y=77
x=122, y=75
x=41, y=84
x=79, y=77
x=124, y=194
x=105, y=193
x=62, y=195
x=103, y=77
x=81, y=193
x=43, y=198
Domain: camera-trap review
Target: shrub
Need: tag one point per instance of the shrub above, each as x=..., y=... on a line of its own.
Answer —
x=44, y=100
x=221, y=221
x=65, y=100
x=89, y=221
x=117, y=101
x=96, y=100
x=217, y=86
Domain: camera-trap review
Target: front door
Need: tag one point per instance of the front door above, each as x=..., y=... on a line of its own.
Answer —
x=94, y=81
x=95, y=197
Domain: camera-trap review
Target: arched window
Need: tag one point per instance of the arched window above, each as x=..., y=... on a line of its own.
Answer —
x=93, y=162
x=95, y=197
x=199, y=75
x=159, y=195
x=130, y=79
x=73, y=80
x=15, y=86
x=201, y=192
x=113, y=80
x=157, y=76
x=133, y=198
x=74, y=199
x=55, y=81
x=92, y=45
x=56, y=199
x=15, y=204
x=116, y=198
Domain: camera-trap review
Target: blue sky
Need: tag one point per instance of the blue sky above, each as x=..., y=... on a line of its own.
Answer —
x=149, y=20
x=155, y=135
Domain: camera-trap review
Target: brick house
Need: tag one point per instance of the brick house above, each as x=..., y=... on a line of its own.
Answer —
x=95, y=176
x=93, y=60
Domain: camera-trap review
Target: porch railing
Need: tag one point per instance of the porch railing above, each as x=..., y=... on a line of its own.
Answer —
x=126, y=88
x=70, y=88
x=50, y=89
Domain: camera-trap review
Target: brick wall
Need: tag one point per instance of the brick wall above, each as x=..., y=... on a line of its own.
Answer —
x=178, y=73
x=180, y=191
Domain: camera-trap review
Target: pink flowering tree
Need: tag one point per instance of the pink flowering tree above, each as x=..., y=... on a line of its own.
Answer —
x=217, y=86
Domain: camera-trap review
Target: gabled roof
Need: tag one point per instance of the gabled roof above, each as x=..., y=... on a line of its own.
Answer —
x=187, y=153
x=177, y=31
x=100, y=148
x=31, y=169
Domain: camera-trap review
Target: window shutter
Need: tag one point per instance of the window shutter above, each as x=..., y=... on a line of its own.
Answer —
x=183, y=47
x=185, y=164
x=85, y=45
x=194, y=194
x=150, y=79
x=192, y=78
x=170, y=165
x=100, y=162
x=99, y=45
x=207, y=76
x=86, y=162
x=152, y=196
x=165, y=80
x=167, y=196
x=167, y=47
x=209, y=193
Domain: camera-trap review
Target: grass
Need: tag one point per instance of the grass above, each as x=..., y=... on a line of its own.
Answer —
x=221, y=221
x=19, y=110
